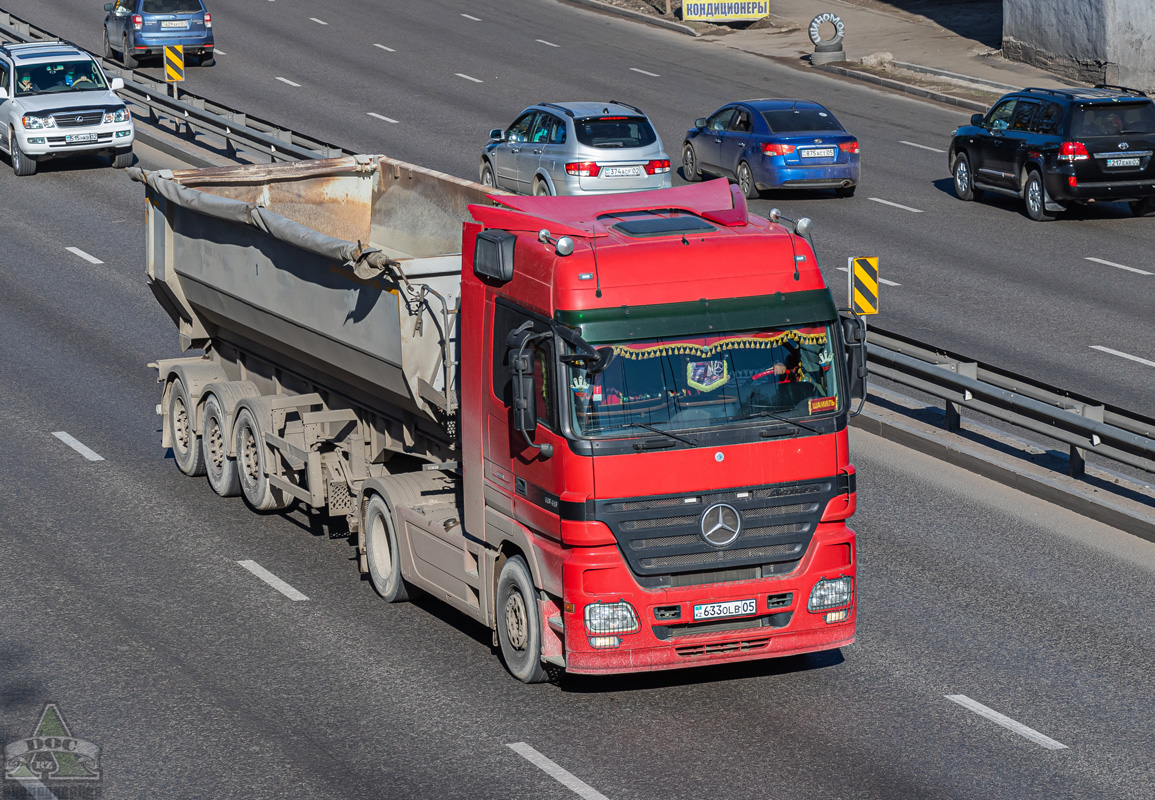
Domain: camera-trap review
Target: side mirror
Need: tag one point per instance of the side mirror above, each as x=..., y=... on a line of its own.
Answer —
x=108, y=6
x=497, y=135
x=854, y=334
x=3, y=93
x=977, y=119
x=700, y=122
x=116, y=84
x=524, y=385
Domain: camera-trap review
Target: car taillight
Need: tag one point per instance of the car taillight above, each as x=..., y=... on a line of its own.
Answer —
x=208, y=20
x=137, y=21
x=848, y=147
x=1073, y=151
x=777, y=149
x=657, y=166
x=585, y=169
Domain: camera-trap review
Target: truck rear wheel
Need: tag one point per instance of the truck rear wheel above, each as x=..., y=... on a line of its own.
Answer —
x=381, y=551
x=252, y=465
x=186, y=445
x=518, y=622
x=220, y=470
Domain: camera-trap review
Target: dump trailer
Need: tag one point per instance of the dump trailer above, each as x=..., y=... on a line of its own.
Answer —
x=612, y=429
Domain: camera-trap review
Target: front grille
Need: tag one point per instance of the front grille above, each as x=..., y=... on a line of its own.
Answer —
x=662, y=536
x=81, y=119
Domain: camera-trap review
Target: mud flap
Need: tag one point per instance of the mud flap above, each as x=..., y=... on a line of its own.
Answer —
x=552, y=646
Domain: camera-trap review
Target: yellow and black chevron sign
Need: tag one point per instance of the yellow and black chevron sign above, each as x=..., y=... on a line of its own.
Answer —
x=174, y=63
x=864, y=285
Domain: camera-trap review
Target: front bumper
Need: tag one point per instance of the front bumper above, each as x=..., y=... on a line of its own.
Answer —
x=48, y=141
x=780, y=626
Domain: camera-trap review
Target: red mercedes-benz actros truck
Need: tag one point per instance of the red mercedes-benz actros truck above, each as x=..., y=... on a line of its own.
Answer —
x=613, y=429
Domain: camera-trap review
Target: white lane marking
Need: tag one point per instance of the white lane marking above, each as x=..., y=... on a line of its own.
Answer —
x=651, y=74
x=921, y=146
x=386, y=49
x=76, y=251
x=383, y=119
x=1006, y=722
x=475, y=19
x=564, y=777
x=318, y=21
x=286, y=80
x=36, y=789
x=551, y=44
x=271, y=579
x=219, y=53
x=880, y=280
x=896, y=205
x=1102, y=349
x=1119, y=266
x=468, y=78
x=87, y=452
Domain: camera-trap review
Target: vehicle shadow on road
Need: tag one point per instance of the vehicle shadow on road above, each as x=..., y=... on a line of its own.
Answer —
x=1078, y=212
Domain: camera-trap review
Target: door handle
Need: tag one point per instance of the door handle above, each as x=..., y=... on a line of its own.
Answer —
x=741, y=144
x=515, y=149
x=519, y=486
x=718, y=141
x=537, y=152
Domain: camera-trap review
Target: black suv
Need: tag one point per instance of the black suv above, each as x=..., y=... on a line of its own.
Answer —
x=1055, y=147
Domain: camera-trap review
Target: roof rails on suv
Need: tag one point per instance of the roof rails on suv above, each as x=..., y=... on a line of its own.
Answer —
x=560, y=108
x=1100, y=90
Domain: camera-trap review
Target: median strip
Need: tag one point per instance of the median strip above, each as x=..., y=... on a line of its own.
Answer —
x=562, y=776
x=271, y=579
x=1006, y=722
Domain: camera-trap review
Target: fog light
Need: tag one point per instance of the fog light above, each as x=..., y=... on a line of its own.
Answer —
x=36, y=140
x=837, y=616
x=829, y=594
x=122, y=134
x=602, y=618
x=604, y=642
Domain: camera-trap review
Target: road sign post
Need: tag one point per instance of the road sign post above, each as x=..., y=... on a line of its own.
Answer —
x=173, y=66
x=863, y=284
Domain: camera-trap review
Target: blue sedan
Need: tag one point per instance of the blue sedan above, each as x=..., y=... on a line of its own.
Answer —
x=773, y=144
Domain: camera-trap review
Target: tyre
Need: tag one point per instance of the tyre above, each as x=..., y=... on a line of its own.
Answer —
x=127, y=57
x=846, y=191
x=1141, y=208
x=382, y=553
x=964, y=185
x=691, y=169
x=220, y=470
x=1035, y=198
x=252, y=464
x=21, y=164
x=487, y=178
x=108, y=51
x=746, y=182
x=518, y=622
x=541, y=188
x=186, y=446
x=122, y=158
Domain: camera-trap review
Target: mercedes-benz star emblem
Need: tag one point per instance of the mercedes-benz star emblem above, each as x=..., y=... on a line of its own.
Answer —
x=720, y=524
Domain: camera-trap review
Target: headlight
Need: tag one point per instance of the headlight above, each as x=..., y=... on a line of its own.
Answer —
x=36, y=123
x=120, y=115
x=830, y=594
x=610, y=618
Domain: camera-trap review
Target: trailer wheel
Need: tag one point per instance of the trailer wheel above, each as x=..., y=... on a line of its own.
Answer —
x=252, y=455
x=186, y=445
x=518, y=623
x=382, y=553
x=220, y=470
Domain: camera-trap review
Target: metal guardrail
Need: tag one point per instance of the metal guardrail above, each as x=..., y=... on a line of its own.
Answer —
x=1084, y=424
x=192, y=114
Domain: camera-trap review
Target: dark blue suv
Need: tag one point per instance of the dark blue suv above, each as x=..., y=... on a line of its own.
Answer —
x=137, y=28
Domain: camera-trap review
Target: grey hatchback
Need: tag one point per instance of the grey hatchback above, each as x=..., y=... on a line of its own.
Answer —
x=576, y=148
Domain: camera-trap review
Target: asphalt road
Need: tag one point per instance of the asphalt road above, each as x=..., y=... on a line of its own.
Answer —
x=1065, y=302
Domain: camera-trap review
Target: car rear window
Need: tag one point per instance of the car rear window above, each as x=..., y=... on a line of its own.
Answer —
x=171, y=7
x=1113, y=120
x=792, y=120
x=615, y=132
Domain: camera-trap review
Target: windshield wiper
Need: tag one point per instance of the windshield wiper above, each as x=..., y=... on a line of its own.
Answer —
x=792, y=422
x=651, y=444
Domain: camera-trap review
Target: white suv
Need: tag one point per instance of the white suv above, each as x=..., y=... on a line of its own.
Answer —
x=55, y=100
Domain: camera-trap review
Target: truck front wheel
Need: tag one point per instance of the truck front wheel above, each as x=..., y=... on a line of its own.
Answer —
x=186, y=445
x=382, y=553
x=518, y=622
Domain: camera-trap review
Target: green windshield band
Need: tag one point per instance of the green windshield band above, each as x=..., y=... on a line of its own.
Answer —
x=702, y=317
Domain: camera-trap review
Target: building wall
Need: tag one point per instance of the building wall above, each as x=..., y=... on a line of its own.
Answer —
x=1094, y=41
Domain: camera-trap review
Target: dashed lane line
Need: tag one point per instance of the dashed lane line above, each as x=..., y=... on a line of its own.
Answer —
x=880, y=280
x=271, y=579
x=651, y=74
x=1120, y=266
x=895, y=205
x=1006, y=722
x=562, y=776
x=475, y=19
x=382, y=118
x=922, y=146
x=318, y=21
x=76, y=251
x=1121, y=354
x=551, y=44
x=286, y=80
x=78, y=446
x=468, y=77
x=386, y=49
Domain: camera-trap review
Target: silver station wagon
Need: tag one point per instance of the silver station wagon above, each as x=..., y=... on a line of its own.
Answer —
x=576, y=148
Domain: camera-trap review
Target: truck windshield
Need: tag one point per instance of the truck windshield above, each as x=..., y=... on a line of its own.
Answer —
x=694, y=382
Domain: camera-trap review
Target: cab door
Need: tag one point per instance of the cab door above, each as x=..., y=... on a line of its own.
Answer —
x=736, y=141
x=506, y=155
x=709, y=144
x=995, y=153
x=116, y=23
x=7, y=85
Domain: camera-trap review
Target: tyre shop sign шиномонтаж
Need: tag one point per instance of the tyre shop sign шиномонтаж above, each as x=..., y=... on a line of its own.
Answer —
x=725, y=12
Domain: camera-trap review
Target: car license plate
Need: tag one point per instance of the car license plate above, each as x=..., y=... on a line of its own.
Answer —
x=823, y=152
x=174, y=23
x=734, y=608
x=621, y=172
x=1122, y=162
x=80, y=137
